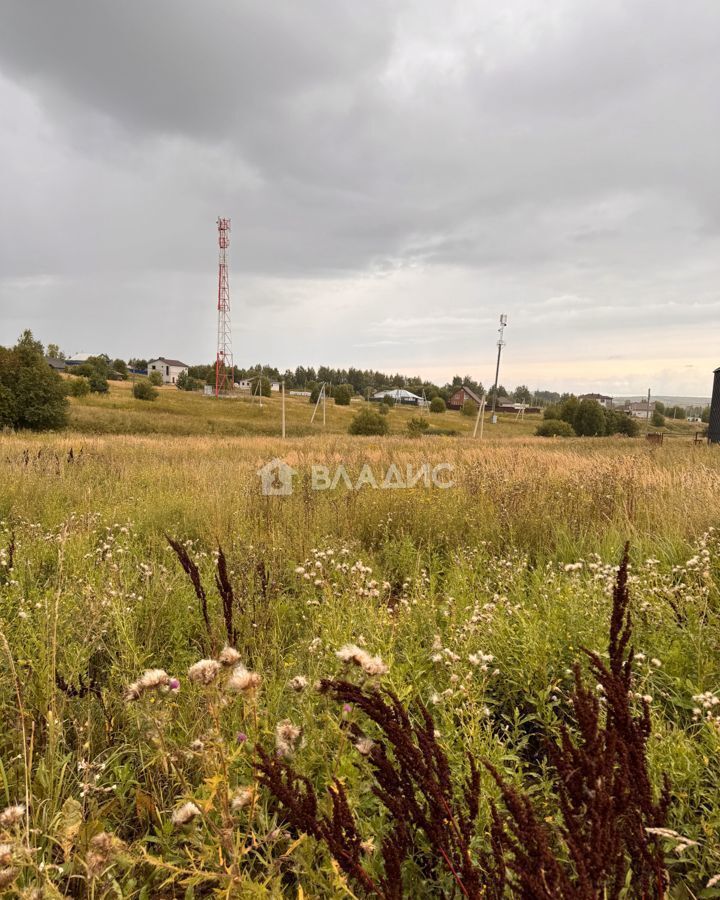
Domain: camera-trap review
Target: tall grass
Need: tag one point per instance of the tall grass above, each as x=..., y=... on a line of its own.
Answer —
x=515, y=563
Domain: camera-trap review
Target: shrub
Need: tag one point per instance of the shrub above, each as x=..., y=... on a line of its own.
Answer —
x=78, y=387
x=469, y=409
x=369, y=422
x=143, y=390
x=437, y=405
x=186, y=382
x=98, y=383
x=618, y=422
x=417, y=426
x=155, y=378
x=554, y=428
x=658, y=419
x=552, y=412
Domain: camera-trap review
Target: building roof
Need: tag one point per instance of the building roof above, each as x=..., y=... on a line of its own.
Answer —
x=169, y=362
x=594, y=397
x=396, y=394
x=470, y=392
x=55, y=363
x=79, y=357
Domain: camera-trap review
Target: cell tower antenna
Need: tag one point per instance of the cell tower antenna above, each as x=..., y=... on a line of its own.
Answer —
x=224, y=367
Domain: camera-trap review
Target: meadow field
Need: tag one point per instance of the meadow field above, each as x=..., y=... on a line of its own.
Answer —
x=410, y=652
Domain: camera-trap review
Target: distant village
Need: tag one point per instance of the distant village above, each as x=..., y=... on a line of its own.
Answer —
x=370, y=385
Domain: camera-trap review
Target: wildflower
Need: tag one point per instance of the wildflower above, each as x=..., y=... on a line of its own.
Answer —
x=287, y=736
x=364, y=745
x=713, y=881
x=6, y=852
x=298, y=683
x=229, y=656
x=656, y=662
x=104, y=848
x=241, y=798
x=174, y=684
x=204, y=672
x=241, y=737
x=184, y=814
x=371, y=665
x=7, y=876
x=197, y=746
x=150, y=680
x=299, y=570
x=12, y=815
x=242, y=681
x=367, y=846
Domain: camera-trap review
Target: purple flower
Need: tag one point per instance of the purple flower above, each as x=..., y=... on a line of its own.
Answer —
x=347, y=708
x=174, y=684
x=241, y=737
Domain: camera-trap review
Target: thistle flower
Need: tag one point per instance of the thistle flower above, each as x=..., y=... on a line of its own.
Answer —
x=6, y=853
x=12, y=815
x=364, y=745
x=241, y=798
x=150, y=680
x=229, y=656
x=104, y=847
x=204, y=672
x=184, y=814
x=371, y=665
x=7, y=876
x=241, y=681
x=287, y=736
x=298, y=684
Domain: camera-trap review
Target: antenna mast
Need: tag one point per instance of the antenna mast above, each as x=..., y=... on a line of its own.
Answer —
x=224, y=367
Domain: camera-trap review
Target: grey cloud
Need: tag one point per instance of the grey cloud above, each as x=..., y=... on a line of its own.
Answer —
x=380, y=161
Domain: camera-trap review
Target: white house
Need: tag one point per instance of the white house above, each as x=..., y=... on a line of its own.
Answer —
x=640, y=410
x=602, y=399
x=170, y=369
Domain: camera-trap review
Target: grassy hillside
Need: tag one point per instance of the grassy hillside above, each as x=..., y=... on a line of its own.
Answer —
x=182, y=413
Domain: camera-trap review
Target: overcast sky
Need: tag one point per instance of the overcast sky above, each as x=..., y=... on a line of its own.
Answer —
x=397, y=174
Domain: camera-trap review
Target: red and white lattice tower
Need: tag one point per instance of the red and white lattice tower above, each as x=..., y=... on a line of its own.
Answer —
x=224, y=368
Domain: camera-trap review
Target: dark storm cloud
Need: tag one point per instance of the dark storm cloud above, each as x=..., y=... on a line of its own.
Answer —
x=386, y=166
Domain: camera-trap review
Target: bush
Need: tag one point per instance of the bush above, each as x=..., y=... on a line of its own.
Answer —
x=417, y=426
x=155, y=378
x=186, y=382
x=618, y=422
x=369, y=422
x=78, y=387
x=469, y=409
x=552, y=412
x=658, y=419
x=143, y=390
x=98, y=383
x=554, y=428
x=437, y=405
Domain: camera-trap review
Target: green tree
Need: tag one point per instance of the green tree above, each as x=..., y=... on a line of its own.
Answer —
x=143, y=390
x=552, y=412
x=569, y=408
x=54, y=352
x=705, y=415
x=589, y=419
x=619, y=422
x=343, y=394
x=660, y=407
x=98, y=383
x=657, y=419
x=119, y=366
x=368, y=422
x=32, y=395
x=437, y=405
x=155, y=378
x=265, y=387
x=522, y=394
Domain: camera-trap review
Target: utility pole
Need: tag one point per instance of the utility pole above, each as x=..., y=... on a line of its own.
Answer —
x=283, y=409
x=648, y=408
x=500, y=345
